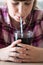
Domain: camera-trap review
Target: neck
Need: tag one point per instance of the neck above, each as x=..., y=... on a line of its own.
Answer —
x=15, y=24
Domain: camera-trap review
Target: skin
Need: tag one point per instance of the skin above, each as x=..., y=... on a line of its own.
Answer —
x=19, y=9
x=26, y=53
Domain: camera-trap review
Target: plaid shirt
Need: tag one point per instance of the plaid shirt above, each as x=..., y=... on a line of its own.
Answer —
x=7, y=31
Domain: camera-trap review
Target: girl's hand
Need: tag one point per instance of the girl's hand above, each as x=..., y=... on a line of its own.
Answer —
x=21, y=53
x=30, y=53
x=9, y=53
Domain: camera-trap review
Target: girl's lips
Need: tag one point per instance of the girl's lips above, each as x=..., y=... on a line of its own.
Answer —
x=20, y=16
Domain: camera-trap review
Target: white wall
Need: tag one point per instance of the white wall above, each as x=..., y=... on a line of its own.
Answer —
x=40, y=4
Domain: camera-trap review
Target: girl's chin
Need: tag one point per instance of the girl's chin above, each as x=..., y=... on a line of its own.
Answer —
x=17, y=20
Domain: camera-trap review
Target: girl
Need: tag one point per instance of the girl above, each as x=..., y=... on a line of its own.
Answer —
x=10, y=22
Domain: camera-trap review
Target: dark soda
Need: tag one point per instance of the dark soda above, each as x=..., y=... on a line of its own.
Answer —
x=26, y=40
x=27, y=37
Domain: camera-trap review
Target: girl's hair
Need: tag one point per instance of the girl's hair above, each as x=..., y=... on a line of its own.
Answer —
x=34, y=5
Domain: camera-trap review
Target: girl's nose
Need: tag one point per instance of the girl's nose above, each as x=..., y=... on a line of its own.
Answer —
x=20, y=9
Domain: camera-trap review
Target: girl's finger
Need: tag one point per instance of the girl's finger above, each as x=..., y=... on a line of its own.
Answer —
x=15, y=42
